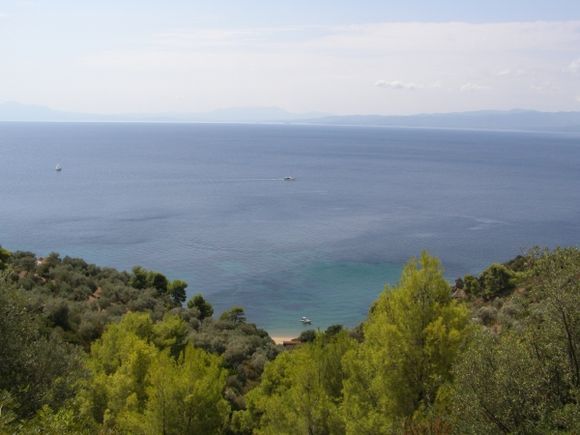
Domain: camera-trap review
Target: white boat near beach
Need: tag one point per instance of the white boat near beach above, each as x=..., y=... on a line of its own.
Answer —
x=306, y=320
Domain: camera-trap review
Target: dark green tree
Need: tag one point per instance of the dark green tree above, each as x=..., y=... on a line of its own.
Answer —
x=471, y=285
x=496, y=280
x=139, y=278
x=177, y=291
x=158, y=281
x=204, y=307
x=235, y=315
x=4, y=256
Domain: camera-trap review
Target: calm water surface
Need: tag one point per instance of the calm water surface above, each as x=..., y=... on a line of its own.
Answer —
x=207, y=203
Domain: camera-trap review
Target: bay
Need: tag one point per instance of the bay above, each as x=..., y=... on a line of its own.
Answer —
x=207, y=203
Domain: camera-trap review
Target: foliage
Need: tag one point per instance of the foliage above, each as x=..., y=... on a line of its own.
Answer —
x=525, y=380
x=79, y=299
x=4, y=257
x=36, y=366
x=413, y=367
x=413, y=336
x=185, y=395
x=300, y=392
x=495, y=280
x=204, y=308
x=471, y=285
x=137, y=385
x=307, y=336
x=235, y=315
x=244, y=347
x=177, y=291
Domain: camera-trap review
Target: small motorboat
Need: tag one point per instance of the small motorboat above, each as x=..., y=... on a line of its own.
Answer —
x=58, y=168
x=305, y=320
x=289, y=178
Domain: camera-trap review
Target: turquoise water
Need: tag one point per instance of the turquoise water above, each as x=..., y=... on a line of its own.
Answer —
x=207, y=203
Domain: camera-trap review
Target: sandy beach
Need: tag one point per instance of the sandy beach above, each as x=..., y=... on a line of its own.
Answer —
x=279, y=339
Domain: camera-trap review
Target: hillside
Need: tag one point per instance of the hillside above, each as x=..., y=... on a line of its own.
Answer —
x=94, y=350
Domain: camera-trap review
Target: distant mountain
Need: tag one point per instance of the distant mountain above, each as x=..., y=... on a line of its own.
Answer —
x=486, y=119
x=11, y=111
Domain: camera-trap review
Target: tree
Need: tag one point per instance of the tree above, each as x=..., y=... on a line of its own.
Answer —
x=118, y=364
x=185, y=395
x=526, y=379
x=300, y=391
x=235, y=315
x=177, y=291
x=4, y=257
x=145, y=379
x=36, y=366
x=142, y=279
x=414, y=334
x=307, y=336
x=139, y=279
x=171, y=334
x=204, y=307
x=471, y=285
x=496, y=279
x=158, y=281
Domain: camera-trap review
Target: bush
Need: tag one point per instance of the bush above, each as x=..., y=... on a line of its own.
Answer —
x=487, y=315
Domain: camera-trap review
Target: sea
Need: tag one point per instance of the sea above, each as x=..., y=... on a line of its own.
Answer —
x=208, y=203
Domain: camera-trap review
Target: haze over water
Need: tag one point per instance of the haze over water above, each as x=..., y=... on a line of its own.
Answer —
x=208, y=204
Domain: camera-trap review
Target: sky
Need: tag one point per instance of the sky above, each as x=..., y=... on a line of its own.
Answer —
x=340, y=57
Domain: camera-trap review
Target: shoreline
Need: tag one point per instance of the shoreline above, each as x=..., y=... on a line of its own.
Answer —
x=281, y=338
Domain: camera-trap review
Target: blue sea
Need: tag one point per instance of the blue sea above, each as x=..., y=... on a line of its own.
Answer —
x=207, y=203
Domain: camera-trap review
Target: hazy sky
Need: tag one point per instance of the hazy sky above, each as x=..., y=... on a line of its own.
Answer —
x=364, y=56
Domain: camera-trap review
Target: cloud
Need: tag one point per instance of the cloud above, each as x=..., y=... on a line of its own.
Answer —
x=453, y=37
x=469, y=66
x=473, y=87
x=578, y=98
x=546, y=86
x=574, y=67
x=398, y=85
x=508, y=72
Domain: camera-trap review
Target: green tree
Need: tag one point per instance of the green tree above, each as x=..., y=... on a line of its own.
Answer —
x=119, y=363
x=185, y=395
x=235, y=315
x=526, y=380
x=171, y=334
x=36, y=366
x=204, y=307
x=142, y=279
x=496, y=279
x=300, y=391
x=158, y=281
x=471, y=285
x=139, y=278
x=177, y=291
x=414, y=334
x=4, y=257
x=141, y=381
x=64, y=421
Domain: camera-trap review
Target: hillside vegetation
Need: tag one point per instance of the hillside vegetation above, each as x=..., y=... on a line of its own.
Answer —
x=94, y=350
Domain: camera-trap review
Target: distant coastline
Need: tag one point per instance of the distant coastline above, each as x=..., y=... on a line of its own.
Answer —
x=495, y=120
